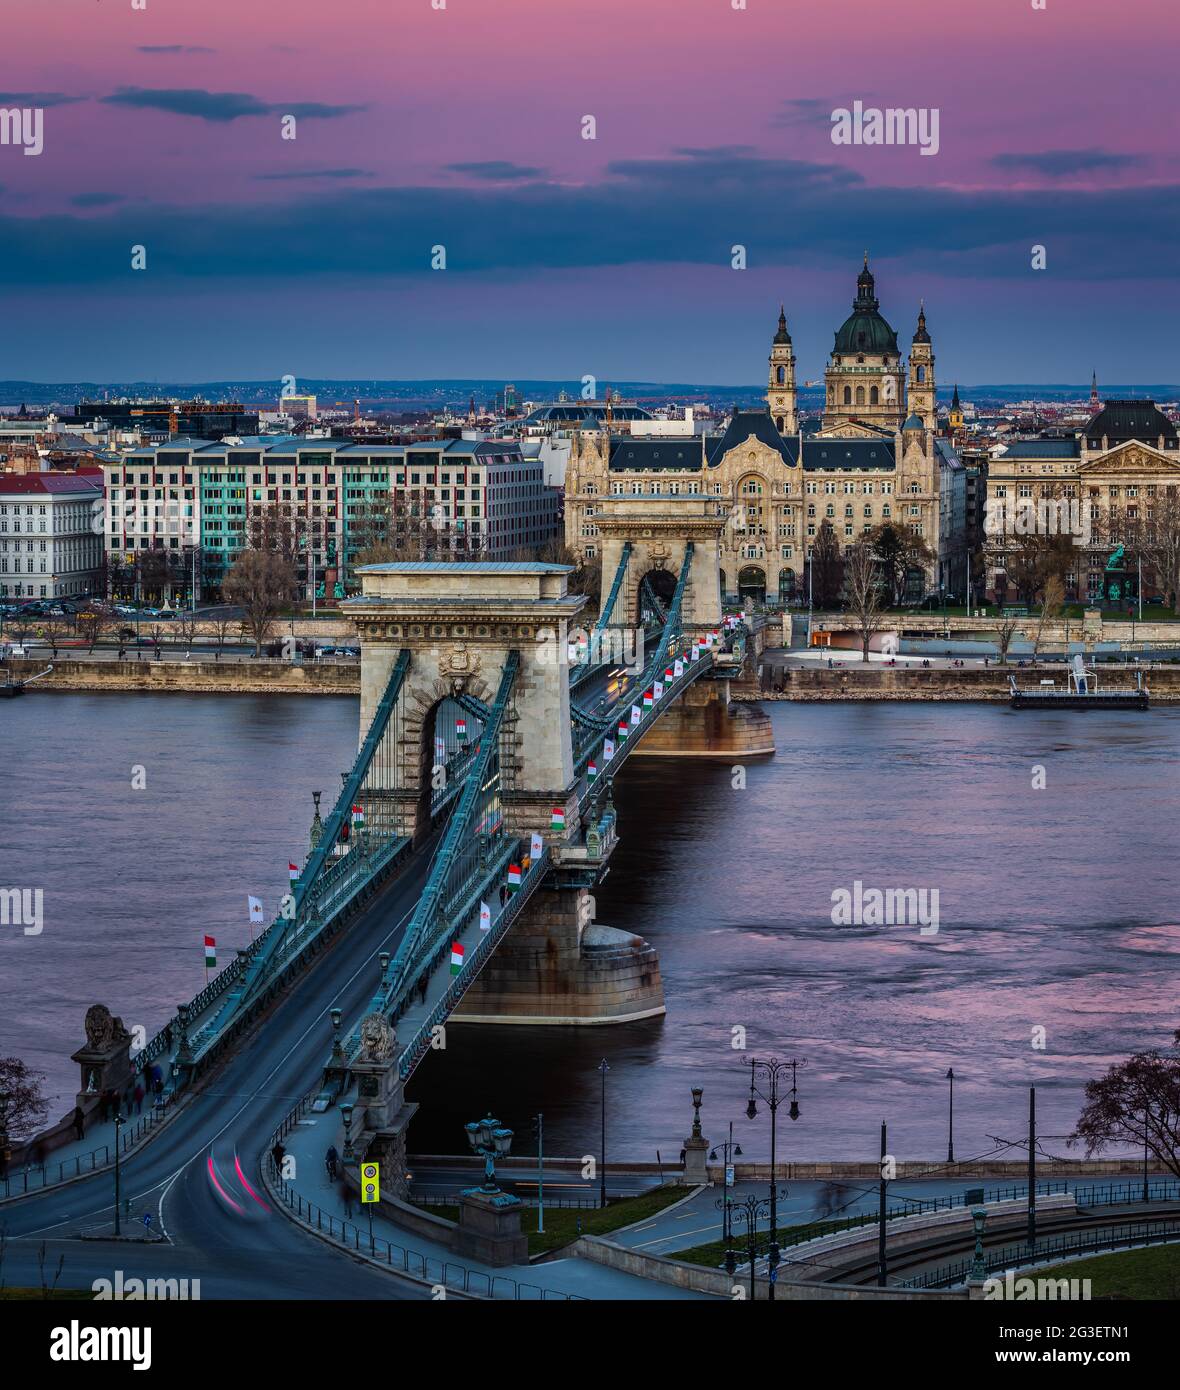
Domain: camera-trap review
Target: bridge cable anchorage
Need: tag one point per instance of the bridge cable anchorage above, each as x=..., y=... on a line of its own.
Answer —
x=466, y=858
x=344, y=861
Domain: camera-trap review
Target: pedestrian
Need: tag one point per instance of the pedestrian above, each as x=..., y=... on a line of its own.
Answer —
x=347, y=1202
x=423, y=985
x=278, y=1153
x=331, y=1158
x=138, y=1096
x=79, y=1123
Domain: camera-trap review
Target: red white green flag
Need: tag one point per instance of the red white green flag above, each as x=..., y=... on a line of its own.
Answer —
x=456, y=957
x=513, y=875
x=210, y=951
x=622, y=729
x=558, y=821
x=591, y=771
x=358, y=817
x=292, y=871
x=668, y=674
x=648, y=699
x=461, y=730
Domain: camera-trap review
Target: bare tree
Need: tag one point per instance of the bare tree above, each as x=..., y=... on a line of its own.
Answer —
x=1005, y=632
x=862, y=592
x=1051, y=605
x=23, y=1106
x=260, y=582
x=826, y=567
x=1136, y=1103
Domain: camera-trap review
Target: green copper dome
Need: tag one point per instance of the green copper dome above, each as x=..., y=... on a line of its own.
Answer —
x=865, y=330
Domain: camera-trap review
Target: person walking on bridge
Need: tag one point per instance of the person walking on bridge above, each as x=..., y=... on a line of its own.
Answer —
x=331, y=1158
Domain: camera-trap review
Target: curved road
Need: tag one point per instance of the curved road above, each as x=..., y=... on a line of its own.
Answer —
x=236, y=1243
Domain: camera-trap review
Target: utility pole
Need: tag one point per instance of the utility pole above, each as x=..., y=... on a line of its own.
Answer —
x=881, y=1260
x=950, y=1127
x=603, y=1068
x=1032, y=1168
x=118, y=1124
x=539, y=1125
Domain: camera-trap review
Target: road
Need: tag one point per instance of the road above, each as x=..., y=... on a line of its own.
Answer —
x=235, y=1244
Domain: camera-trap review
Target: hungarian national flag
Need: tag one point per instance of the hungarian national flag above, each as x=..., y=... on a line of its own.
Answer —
x=513, y=875
x=456, y=957
x=210, y=951
x=558, y=821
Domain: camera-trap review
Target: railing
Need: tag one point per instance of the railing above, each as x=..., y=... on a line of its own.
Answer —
x=525, y=1198
x=32, y=1177
x=442, y=1273
x=1120, y=1194
x=817, y=1230
x=419, y=1044
x=1130, y=1234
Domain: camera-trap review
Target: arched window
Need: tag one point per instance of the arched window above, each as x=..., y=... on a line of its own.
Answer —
x=780, y=375
x=921, y=374
x=779, y=423
x=860, y=395
x=874, y=395
x=848, y=395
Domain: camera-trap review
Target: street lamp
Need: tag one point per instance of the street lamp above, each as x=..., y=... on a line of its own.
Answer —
x=978, y=1220
x=731, y=1151
x=490, y=1140
x=751, y=1210
x=603, y=1069
x=772, y=1068
x=118, y=1127
x=950, y=1131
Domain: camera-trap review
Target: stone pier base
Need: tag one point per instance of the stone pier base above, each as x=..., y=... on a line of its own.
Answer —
x=707, y=724
x=556, y=966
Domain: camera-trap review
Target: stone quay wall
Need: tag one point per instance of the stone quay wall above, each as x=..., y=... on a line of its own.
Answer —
x=227, y=676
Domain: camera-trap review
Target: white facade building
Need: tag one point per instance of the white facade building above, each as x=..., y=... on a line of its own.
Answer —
x=51, y=542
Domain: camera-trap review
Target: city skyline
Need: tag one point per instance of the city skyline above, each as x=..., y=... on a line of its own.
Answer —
x=568, y=256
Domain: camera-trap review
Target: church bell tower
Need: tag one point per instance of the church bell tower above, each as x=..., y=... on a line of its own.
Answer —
x=920, y=383
x=781, y=396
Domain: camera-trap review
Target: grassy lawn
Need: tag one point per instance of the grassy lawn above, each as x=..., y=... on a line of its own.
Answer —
x=1150, y=1273
x=561, y=1223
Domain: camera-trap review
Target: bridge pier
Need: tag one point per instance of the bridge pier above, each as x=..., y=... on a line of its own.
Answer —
x=706, y=723
x=557, y=966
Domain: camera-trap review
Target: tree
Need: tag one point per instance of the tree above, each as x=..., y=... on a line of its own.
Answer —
x=1005, y=632
x=862, y=591
x=1158, y=541
x=826, y=568
x=898, y=549
x=23, y=1106
x=1051, y=606
x=260, y=582
x=1136, y=1103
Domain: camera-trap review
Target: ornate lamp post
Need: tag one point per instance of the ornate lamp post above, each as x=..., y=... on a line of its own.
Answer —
x=490, y=1140
x=950, y=1126
x=750, y=1210
x=978, y=1269
x=772, y=1069
x=731, y=1151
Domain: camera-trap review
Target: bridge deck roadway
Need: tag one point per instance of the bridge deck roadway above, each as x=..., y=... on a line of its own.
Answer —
x=236, y=1245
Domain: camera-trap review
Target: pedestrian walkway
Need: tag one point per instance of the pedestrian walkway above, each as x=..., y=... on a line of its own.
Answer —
x=325, y=1201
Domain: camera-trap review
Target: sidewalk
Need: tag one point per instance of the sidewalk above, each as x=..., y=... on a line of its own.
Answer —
x=308, y=1142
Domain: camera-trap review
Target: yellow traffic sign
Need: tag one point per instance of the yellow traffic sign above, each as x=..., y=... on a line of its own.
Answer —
x=370, y=1182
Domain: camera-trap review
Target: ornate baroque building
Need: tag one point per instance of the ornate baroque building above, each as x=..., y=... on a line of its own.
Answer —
x=877, y=458
x=1121, y=472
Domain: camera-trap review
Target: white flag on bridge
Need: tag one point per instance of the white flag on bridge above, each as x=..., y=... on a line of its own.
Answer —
x=255, y=905
x=485, y=917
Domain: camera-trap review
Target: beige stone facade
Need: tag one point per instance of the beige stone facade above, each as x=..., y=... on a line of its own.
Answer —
x=775, y=487
x=1122, y=472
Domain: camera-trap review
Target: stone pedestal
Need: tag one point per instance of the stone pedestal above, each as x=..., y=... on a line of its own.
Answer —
x=386, y=1114
x=105, y=1061
x=489, y=1229
x=696, y=1171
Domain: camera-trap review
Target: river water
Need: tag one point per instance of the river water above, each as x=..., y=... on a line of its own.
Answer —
x=1056, y=912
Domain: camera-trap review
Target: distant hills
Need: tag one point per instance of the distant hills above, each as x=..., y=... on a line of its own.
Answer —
x=438, y=392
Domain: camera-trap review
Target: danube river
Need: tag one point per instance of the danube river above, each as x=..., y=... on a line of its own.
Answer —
x=1057, y=911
